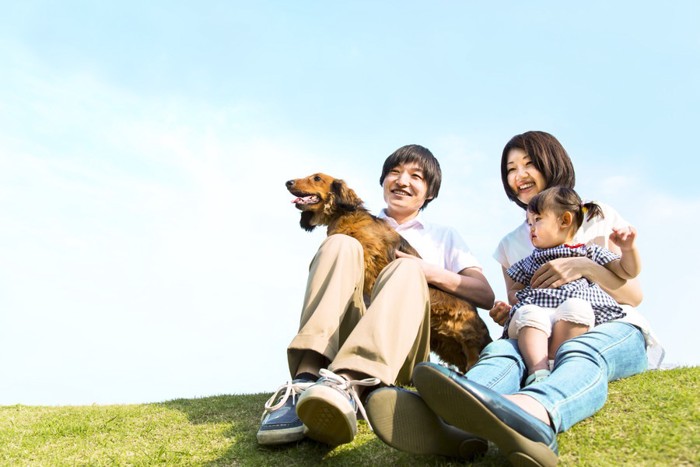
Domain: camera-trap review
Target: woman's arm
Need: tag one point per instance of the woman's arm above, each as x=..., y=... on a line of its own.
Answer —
x=470, y=284
x=511, y=287
x=561, y=271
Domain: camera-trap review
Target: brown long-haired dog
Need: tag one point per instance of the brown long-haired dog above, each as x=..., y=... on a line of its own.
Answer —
x=457, y=333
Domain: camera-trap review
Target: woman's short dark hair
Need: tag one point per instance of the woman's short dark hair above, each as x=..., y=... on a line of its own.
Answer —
x=549, y=157
x=427, y=162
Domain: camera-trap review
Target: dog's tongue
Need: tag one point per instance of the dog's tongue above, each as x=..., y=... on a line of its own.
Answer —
x=306, y=200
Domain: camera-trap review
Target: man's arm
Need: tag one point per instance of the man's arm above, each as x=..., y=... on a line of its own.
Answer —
x=470, y=284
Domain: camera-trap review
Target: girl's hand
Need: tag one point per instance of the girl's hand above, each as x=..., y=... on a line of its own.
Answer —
x=499, y=312
x=559, y=271
x=624, y=237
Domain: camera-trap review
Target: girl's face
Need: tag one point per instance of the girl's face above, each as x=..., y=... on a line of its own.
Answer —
x=547, y=229
x=405, y=191
x=523, y=178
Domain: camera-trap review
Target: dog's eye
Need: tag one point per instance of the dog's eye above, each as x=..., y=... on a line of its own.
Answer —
x=317, y=178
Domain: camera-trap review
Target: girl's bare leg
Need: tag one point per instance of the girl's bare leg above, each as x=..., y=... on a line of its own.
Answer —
x=533, y=345
x=563, y=331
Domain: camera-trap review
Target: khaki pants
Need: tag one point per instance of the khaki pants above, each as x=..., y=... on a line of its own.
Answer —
x=385, y=340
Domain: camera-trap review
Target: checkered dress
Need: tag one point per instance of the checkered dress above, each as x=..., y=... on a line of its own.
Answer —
x=604, y=306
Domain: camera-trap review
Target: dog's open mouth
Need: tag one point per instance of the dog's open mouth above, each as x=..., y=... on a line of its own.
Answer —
x=306, y=199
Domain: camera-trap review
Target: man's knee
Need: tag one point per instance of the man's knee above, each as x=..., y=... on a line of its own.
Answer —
x=340, y=243
x=407, y=264
x=405, y=268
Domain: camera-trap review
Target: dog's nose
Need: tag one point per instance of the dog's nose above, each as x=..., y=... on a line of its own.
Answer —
x=289, y=183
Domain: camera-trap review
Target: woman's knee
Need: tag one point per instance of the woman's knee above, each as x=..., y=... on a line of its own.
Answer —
x=617, y=347
x=507, y=348
x=576, y=349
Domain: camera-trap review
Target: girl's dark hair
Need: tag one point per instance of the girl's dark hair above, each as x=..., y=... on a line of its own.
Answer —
x=561, y=199
x=427, y=162
x=548, y=156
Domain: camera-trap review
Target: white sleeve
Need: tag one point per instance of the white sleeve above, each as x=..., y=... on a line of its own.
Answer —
x=459, y=255
x=514, y=246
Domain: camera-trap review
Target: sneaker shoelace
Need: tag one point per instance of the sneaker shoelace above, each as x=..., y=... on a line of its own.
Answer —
x=347, y=386
x=290, y=388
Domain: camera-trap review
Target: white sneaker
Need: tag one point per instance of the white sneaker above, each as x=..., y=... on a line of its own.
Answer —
x=328, y=408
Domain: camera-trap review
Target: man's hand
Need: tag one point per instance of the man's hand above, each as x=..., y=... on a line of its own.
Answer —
x=430, y=270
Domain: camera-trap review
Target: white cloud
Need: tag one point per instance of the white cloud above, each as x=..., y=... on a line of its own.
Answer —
x=154, y=252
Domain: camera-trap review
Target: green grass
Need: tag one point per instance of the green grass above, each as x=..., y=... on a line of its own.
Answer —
x=650, y=419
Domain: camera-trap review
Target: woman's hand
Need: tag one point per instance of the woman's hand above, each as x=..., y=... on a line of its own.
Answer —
x=499, y=312
x=560, y=271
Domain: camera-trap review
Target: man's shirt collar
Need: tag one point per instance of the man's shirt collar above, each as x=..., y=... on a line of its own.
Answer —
x=415, y=222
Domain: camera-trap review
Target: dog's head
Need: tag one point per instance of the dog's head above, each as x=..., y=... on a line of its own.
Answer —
x=321, y=198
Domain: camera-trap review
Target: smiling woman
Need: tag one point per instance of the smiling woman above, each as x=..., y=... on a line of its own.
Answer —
x=531, y=164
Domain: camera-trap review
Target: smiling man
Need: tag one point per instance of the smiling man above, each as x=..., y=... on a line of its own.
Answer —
x=348, y=344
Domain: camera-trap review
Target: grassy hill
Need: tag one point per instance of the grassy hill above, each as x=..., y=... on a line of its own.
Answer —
x=650, y=419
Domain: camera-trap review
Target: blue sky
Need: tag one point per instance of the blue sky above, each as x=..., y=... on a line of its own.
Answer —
x=149, y=249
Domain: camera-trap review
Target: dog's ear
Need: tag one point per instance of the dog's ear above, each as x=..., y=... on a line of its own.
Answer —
x=345, y=197
x=305, y=221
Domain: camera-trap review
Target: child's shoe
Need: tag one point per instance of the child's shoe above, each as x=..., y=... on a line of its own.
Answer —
x=537, y=376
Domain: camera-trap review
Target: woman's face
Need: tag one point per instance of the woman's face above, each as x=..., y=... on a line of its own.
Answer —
x=523, y=178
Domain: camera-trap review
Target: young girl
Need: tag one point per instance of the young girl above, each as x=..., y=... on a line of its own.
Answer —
x=554, y=216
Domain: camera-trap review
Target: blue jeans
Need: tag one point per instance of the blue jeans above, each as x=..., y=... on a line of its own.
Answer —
x=583, y=366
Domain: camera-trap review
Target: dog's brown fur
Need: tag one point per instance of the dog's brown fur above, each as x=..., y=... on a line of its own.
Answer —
x=457, y=333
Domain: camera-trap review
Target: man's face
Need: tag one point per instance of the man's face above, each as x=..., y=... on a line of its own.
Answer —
x=405, y=189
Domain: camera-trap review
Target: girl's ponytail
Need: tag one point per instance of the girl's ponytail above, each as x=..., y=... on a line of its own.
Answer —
x=592, y=210
x=562, y=199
